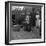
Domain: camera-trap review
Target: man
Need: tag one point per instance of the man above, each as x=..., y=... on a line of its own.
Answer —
x=27, y=25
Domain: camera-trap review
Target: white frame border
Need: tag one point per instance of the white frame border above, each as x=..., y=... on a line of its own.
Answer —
x=29, y=40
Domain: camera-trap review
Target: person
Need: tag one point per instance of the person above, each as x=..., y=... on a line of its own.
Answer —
x=32, y=19
x=28, y=27
x=28, y=22
x=37, y=21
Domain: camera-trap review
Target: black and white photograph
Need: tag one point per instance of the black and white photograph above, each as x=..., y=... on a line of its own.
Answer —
x=24, y=22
